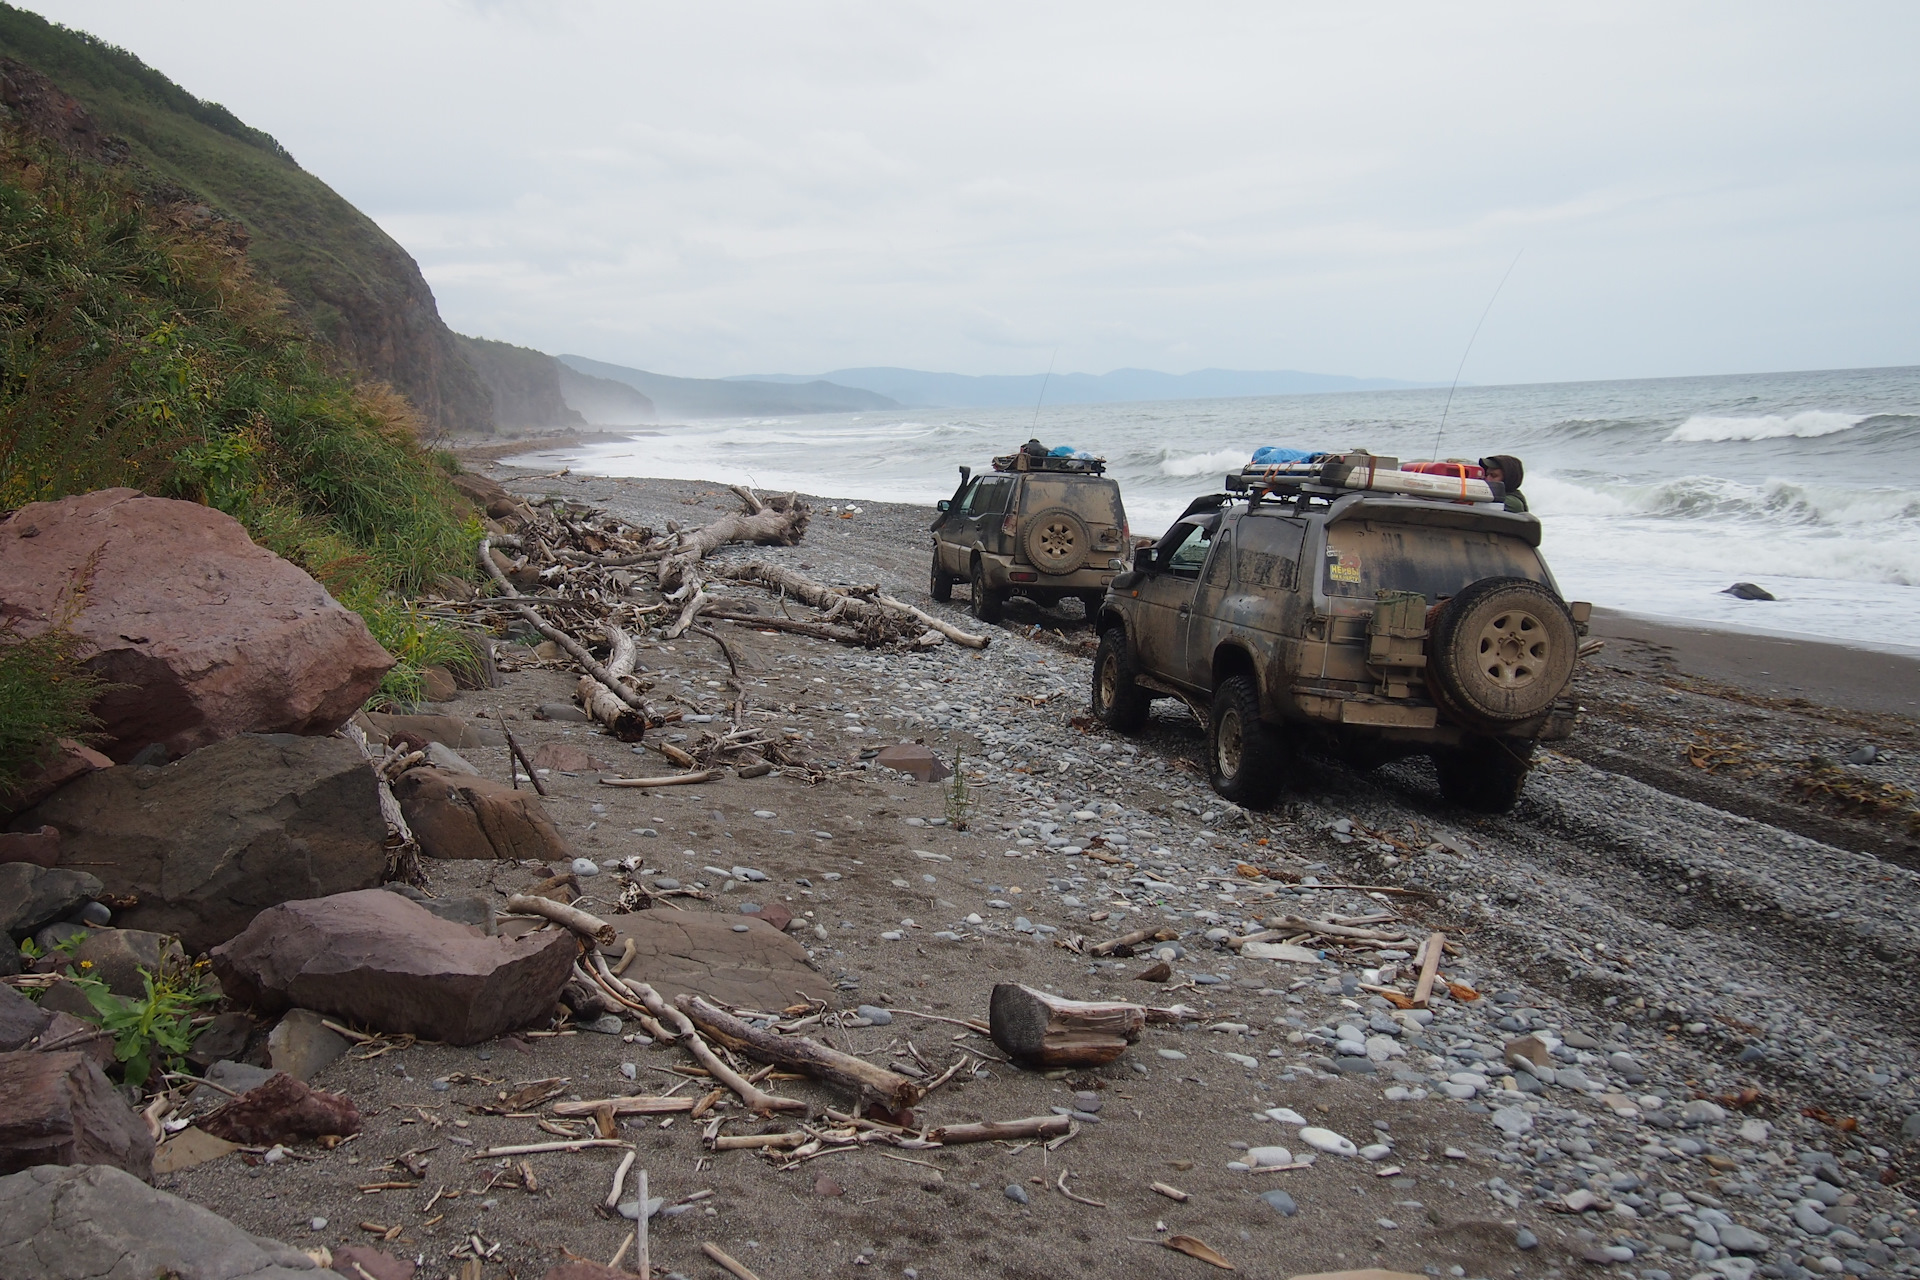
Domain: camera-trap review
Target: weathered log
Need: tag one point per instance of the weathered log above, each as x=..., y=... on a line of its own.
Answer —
x=637, y=1106
x=587, y=926
x=755, y=1098
x=966, y=639
x=859, y=1077
x=601, y=703
x=818, y=630
x=673, y=780
x=1000, y=1130
x=1125, y=943
x=777, y=522
x=1040, y=1030
x=1326, y=928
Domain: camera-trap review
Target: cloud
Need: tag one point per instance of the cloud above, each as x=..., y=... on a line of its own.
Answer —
x=707, y=189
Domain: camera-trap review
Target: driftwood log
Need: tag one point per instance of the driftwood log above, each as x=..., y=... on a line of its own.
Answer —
x=776, y=522
x=588, y=663
x=1124, y=944
x=689, y=1036
x=1327, y=929
x=1040, y=1030
x=587, y=926
x=861, y=1078
x=1001, y=1130
x=876, y=620
x=603, y=704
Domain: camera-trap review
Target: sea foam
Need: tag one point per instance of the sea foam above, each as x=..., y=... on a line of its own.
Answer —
x=1805, y=425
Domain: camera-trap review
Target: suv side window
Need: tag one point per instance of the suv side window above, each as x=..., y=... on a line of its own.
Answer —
x=989, y=495
x=1186, y=557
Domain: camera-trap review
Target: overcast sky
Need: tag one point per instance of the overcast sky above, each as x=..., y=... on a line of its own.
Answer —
x=719, y=188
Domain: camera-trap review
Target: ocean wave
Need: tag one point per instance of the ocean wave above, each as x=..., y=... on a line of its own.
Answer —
x=1716, y=498
x=1199, y=464
x=1808, y=424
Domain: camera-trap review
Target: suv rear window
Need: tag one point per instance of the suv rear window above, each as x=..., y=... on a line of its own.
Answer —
x=1095, y=501
x=1364, y=558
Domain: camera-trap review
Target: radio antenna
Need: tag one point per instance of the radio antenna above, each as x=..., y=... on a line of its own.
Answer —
x=1034, y=426
x=1469, y=351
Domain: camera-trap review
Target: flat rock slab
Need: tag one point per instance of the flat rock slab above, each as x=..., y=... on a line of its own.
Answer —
x=456, y=815
x=69, y=761
x=699, y=953
x=566, y=758
x=211, y=840
x=60, y=1108
x=379, y=960
x=912, y=758
x=98, y=1223
x=211, y=634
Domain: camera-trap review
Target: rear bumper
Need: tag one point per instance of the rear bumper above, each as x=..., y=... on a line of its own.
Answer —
x=1005, y=573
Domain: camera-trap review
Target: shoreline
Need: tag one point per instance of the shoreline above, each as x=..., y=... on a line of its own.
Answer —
x=1856, y=675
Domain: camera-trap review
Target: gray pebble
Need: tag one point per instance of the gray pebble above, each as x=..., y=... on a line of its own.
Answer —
x=1017, y=1193
x=1280, y=1202
x=875, y=1014
x=607, y=1024
x=96, y=914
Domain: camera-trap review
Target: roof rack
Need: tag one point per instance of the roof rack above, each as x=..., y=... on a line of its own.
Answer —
x=1022, y=461
x=1354, y=472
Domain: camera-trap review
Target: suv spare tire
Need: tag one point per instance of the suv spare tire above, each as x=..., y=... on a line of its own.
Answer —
x=1501, y=652
x=1055, y=541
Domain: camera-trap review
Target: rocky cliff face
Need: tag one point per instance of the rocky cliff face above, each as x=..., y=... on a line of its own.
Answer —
x=351, y=281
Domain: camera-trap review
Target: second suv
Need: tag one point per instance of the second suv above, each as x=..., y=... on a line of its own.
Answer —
x=1038, y=525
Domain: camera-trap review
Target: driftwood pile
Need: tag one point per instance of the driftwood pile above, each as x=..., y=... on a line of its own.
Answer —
x=593, y=585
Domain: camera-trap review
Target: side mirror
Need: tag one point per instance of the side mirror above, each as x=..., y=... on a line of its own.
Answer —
x=1146, y=559
x=943, y=505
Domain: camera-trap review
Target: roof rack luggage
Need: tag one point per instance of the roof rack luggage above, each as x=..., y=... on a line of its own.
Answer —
x=1023, y=461
x=1351, y=472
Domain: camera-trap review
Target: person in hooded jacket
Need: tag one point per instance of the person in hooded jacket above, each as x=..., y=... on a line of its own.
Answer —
x=1505, y=469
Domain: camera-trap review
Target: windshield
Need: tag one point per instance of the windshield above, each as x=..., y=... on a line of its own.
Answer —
x=1095, y=501
x=1364, y=558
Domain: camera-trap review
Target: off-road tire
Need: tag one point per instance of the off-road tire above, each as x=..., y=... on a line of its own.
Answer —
x=940, y=585
x=1118, y=703
x=987, y=604
x=1501, y=652
x=1485, y=775
x=1055, y=541
x=1245, y=757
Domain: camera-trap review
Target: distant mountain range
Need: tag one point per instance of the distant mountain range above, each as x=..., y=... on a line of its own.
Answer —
x=733, y=397
x=960, y=390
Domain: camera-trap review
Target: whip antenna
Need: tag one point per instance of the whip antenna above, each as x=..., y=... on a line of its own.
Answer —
x=1034, y=426
x=1469, y=351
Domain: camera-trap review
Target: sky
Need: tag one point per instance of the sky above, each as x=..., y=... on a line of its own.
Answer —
x=726, y=188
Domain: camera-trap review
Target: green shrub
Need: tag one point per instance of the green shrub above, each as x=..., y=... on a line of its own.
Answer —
x=45, y=695
x=133, y=352
x=154, y=1030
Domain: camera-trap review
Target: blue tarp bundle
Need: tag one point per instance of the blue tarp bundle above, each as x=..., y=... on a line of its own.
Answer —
x=1068, y=451
x=1271, y=455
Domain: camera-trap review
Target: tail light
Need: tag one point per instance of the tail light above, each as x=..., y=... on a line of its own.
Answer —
x=1010, y=524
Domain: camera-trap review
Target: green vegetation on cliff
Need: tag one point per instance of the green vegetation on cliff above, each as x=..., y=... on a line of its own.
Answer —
x=134, y=351
x=346, y=277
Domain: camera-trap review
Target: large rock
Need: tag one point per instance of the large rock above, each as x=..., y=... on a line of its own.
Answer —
x=41, y=848
x=60, y=1108
x=456, y=815
x=382, y=961
x=700, y=953
x=32, y=897
x=25, y=1025
x=69, y=760
x=98, y=1223
x=212, y=635
x=208, y=842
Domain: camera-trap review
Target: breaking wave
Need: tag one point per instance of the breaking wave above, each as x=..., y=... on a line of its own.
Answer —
x=1805, y=425
x=1200, y=464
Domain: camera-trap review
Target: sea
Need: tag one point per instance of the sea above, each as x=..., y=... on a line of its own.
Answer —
x=1656, y=495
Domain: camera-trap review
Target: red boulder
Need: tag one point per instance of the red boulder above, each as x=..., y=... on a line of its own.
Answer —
x=214, y=635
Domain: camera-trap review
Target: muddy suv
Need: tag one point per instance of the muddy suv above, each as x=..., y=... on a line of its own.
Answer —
x=1037, y=525
x=1352, y=608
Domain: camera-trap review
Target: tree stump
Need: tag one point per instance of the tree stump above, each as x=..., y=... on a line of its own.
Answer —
x=1040, y=1030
